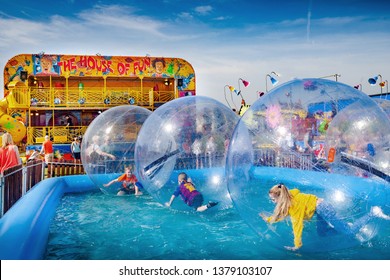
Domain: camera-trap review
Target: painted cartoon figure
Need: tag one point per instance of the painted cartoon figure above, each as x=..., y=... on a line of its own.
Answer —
x=159, y=66
x=45, y=65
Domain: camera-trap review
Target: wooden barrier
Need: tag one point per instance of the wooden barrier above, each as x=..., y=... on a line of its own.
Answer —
x=66, y=168
x=34, y=173
x=13, y=186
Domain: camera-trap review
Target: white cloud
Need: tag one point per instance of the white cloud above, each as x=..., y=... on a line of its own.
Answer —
x=221, y=18
x=121, y=18
x=203, y=10
x=185, y=16
x=19, y=32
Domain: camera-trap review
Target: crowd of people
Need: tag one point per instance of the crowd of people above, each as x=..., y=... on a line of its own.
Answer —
x=10, y=156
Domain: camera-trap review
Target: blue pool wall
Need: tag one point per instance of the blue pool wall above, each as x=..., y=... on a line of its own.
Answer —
x=24, y=229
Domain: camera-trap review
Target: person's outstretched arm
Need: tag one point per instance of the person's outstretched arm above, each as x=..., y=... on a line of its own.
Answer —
x=110, y=183
x=297, y=225
x=268, y=219
x=168, y=204
x=106, y=154
x=110, y=156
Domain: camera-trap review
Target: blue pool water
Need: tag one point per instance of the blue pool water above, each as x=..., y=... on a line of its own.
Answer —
x=95, y=226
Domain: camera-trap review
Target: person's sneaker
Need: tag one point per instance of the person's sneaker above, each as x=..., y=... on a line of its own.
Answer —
x=377, y=212
x=211, y=204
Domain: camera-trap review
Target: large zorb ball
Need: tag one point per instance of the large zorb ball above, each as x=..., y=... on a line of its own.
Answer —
x=109, y=142
x=384, y=104
x=300, y=134
x=190, y=135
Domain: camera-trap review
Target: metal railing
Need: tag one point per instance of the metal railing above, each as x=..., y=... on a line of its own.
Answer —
x=290, y=159
x=262, y=157
x=60, y=134
x=52, y=97
x=204, y=160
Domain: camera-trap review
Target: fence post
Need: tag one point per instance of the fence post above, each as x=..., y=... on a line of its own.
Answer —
x=43, y=170
x=2, y=195
x=24, y=180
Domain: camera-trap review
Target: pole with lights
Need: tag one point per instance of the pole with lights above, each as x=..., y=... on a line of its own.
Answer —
x=273, y=80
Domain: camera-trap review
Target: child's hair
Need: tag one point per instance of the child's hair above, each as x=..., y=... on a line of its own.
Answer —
x=7, y=140
x=283, y=203
x=130, y=167
x=183, y=176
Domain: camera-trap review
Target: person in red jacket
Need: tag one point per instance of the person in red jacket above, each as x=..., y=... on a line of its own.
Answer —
x=47, y=151
x=9, y=153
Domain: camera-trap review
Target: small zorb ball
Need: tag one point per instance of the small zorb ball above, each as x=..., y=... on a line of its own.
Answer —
x=108, y=144
x=360, y=138
x=189, y=134
x=384, y=104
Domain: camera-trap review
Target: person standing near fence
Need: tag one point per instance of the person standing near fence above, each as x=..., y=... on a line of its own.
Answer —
x=197, y=150
x=9, y=153
x=75, y=147
x=47, y=150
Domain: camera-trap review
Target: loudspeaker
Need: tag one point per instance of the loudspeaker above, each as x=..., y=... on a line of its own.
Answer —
x=23, y=75
x=179, y=82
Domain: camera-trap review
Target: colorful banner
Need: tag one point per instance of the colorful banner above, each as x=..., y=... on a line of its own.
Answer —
x=22, y=66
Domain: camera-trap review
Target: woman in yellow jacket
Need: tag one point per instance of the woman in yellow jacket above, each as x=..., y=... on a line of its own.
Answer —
x=300, y=206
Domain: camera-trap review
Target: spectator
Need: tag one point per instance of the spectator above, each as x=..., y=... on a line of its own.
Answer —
x=75, y=147
x=47, y=151
x=9, y=153
x=69, y=121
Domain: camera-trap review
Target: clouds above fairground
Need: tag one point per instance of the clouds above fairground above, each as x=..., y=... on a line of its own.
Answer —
x=220, y=43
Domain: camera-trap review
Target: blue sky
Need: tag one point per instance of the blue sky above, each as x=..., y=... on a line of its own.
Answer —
x=223, y=40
